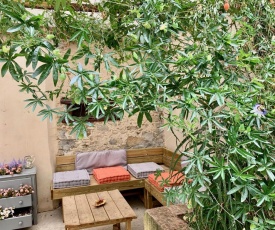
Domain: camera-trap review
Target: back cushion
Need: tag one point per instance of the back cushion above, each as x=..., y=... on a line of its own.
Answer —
x=100, y=159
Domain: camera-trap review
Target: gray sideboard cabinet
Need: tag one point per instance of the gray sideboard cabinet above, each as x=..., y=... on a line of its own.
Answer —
x=29, y=202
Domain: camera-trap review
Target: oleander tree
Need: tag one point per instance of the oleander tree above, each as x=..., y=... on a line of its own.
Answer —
x=208, y=67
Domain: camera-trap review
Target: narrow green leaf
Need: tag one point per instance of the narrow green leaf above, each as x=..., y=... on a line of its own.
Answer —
x=57, y=5
x=220, y=99
x=270, y=174
x=35, y=57
x=244, y=194
x=199, y=165
x=39, y=70
x=148, y=116
x=55, y=75
x=47, y=45
x=44, y=74
x=272, y=222
x=67, y=54
x=75, y=35
x=5, y=68
x=12, y=15
x=13, y=72
x=213, y=98
x=235, y=189
x=244, y=153
x=217, y=175
x=261, y=200
x=140, y=118
x=15, y=28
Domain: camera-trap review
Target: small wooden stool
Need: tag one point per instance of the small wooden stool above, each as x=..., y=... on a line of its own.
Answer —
x=79, y=211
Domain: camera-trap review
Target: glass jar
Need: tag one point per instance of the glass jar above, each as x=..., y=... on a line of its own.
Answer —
x=29, y=160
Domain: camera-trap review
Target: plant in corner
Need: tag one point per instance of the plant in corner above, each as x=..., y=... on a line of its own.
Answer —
x=208, y=68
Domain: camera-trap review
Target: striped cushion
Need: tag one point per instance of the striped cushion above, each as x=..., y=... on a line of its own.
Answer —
x=71, y=179
x=111, y=174
x=142, y=170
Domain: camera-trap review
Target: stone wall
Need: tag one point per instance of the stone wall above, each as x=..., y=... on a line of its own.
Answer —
x=123, y=134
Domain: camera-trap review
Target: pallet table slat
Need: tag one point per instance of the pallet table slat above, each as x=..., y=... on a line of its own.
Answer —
x=122, y=204
x=69, y=211
x=110, y=206
x=98, y=212
x=84, y=212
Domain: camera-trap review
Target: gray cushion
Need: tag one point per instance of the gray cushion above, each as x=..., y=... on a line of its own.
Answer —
x=100, y=159
x=142, y=170
x=71, y=179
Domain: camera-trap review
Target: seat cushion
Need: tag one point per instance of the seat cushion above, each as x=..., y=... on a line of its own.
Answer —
x=71, y=179
x=111, y=174
x=100, y=159
x=166, y=179
x=142, y=170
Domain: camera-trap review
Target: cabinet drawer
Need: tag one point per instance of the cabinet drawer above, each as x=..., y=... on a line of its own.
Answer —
x=16, y=222
x=16, y=202
x=15, y=183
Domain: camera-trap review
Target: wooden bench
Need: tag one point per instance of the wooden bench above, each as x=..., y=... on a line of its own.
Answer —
x=158, y=155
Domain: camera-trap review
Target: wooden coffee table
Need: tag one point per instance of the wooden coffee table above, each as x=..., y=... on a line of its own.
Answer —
x=79, y=211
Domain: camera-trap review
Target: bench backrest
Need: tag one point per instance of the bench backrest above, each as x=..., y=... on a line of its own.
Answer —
x=158, y=155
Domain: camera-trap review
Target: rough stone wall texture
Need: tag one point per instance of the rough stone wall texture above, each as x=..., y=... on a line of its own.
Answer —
x=123, y=134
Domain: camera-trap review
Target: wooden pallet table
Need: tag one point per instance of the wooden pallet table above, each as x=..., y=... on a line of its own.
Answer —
x=79, y=211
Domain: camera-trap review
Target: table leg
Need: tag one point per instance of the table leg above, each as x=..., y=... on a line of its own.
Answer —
x=116, y=226
x=145, y=197
x=128, y=224
x=149, y=200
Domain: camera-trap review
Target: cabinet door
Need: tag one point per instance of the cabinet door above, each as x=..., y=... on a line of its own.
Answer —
x=15, y=183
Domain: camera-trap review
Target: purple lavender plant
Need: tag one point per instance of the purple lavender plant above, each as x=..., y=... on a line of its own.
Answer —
x=14, y=167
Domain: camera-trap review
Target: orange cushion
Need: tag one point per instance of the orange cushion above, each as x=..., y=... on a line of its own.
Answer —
x=111, y=174
x=166, y=179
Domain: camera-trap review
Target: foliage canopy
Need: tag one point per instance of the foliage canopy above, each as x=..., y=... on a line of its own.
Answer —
x=211, y=72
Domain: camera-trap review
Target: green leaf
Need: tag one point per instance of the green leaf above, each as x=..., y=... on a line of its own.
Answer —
x=57, y=4
x=47, y=45
x=39, y=70
x=199, y=165
x=13, y=72
x=15, y=28
x=55, y=75
x=270, y=174
x=220, y=99
x=272, y=222
x=148, y=116
x=140, y=118
x=44, y=74
x=35, y=57
x=12, y=15
x=235, y=189
x=5, y=68
x=244, y=194
x=261, y=200
x=67, y=54
x=244, y=153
